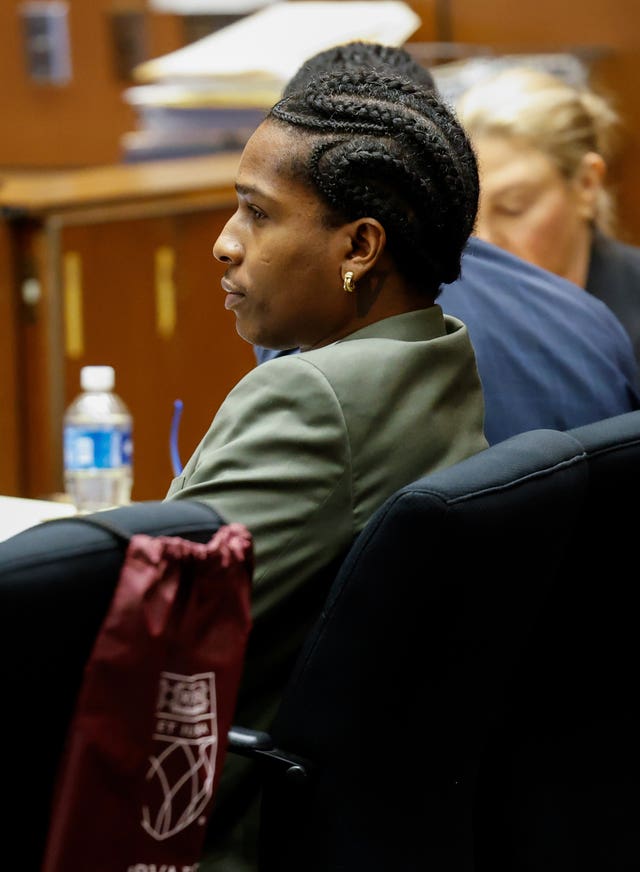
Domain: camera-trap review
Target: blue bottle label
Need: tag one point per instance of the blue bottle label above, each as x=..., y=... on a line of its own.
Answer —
x=90, y=448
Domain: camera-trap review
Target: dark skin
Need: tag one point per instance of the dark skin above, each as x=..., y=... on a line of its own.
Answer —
x=285, y=266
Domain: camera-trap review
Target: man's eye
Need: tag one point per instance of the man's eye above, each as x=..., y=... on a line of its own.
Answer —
x=257, y=213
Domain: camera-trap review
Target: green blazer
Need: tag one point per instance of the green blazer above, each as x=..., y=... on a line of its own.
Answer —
x=302, y=451
x=305, y=448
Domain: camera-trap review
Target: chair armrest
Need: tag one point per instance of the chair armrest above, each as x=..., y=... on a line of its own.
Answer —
x=258, y=745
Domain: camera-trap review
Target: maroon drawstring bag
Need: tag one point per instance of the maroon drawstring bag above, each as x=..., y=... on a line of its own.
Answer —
x=148, y=738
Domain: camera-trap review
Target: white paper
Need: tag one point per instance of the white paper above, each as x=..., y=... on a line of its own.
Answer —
x=18, y=514
x=271, y=44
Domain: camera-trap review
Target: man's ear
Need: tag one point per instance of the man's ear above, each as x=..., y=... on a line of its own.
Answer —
x=589, y=181
x=367, y=241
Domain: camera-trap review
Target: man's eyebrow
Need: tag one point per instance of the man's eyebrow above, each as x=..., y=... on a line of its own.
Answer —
x=245, y=190
x=250, y=191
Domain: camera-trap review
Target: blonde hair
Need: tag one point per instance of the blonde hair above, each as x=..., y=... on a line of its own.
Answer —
x=562, y=121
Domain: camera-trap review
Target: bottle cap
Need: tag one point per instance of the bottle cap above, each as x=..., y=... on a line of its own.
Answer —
x=97, y=378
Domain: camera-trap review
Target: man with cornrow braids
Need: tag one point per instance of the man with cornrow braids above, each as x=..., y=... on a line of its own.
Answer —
x=548, y=354
x=356, y=196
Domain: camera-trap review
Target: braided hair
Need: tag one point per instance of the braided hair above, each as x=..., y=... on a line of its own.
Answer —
x=357, y=55
x=384, y=146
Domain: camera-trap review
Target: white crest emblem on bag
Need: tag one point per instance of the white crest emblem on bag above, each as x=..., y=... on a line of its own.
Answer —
x=182, y=767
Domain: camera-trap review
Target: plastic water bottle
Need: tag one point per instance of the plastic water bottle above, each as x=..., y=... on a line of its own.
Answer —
x=98, y=445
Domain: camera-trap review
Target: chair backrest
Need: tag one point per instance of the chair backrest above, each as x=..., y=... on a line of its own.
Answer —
x=438, y=665
x=56, y=583
x=562, y=776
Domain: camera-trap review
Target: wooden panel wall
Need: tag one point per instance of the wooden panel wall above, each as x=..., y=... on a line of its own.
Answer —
x=81, y=123
x=198, y=359
x=9, y=402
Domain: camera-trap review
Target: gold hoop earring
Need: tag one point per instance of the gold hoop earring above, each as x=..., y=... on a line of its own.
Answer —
x=348, y=283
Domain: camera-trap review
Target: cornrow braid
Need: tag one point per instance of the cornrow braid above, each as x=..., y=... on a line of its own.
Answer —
x=357, y=55
x=384, y=146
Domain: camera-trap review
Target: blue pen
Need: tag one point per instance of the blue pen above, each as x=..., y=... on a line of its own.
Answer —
x=176, y=463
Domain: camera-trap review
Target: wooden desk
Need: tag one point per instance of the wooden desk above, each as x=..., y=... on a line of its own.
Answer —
x=113, y=265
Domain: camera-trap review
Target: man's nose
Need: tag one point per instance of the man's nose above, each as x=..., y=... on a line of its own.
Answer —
x=227, y=248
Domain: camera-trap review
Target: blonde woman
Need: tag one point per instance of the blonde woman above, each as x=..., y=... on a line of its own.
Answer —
x=543, y=147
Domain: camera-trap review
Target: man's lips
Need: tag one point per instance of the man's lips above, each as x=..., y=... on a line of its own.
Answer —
x=234, y=296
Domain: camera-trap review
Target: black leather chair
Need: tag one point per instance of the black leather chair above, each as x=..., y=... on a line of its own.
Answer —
x=56, y=584
x=560, y=786
x=466, y=701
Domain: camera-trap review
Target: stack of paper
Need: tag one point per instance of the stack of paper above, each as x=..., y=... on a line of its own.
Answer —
x=215, y=91
x=266, y=48
x=174, y=121
x=18, y=514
